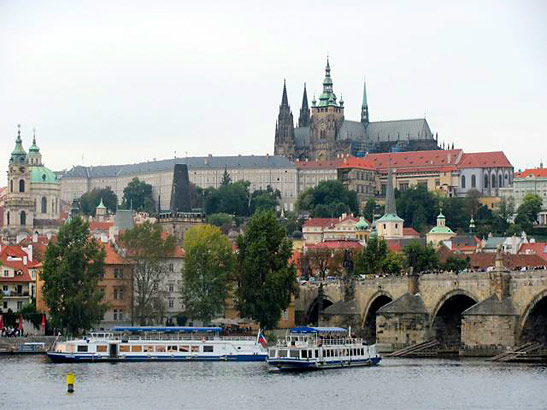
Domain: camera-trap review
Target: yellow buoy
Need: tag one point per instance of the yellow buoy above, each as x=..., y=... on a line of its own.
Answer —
x=70, y=382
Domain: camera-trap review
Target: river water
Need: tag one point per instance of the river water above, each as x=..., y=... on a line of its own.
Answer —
x=31, y=382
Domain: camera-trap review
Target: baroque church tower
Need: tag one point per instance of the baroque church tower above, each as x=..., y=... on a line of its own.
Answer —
x=19, y=207
x=327, y=118
x=284, y=129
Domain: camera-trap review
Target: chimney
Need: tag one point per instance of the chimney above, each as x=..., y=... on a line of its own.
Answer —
x=35, y=237
x=25, y=260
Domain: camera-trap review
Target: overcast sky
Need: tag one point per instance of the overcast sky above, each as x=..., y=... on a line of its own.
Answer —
x=127, y=81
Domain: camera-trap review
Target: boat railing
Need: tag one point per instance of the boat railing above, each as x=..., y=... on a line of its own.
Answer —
x=173, y=337
x=320, y=342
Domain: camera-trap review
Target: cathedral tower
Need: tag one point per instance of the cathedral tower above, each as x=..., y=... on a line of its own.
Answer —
x=327, y=118
x=19, y=207
x=304, y=119
x=364, y=107
x=284, y=128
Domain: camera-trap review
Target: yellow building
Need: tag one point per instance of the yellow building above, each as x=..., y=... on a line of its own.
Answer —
x=439, y=233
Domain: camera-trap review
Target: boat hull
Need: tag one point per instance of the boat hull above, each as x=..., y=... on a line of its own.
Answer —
x=89, y=358
x=302, y=365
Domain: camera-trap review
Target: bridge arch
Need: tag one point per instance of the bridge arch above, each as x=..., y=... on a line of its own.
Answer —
x=377, y=300
x=533, y=327
x=312, y=314
x=446, y=321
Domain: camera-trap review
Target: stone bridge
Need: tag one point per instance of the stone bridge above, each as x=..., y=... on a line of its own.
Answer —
x=473, y=313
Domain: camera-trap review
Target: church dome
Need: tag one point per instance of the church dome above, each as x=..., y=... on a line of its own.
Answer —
x=42, y=175
x=362, y=224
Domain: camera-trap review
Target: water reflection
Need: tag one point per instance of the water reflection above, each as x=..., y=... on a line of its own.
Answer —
x=32, y=382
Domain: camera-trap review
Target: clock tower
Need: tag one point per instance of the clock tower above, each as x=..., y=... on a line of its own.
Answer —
x=19, y=206
x=326, y=120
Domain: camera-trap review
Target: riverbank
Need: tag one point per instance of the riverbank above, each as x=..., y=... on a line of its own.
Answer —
x=20, y=345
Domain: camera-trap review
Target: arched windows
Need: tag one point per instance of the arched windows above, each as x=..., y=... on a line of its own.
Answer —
x=21, y=185
x=473, y=181
x=463, y=181
x=23, y=218
x=493, y=180
x=11, y=185
x=8, y=218
x=500, y=180
x=44, y=205
x=486, y=181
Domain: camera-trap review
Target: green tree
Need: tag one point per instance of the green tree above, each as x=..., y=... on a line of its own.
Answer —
x=267, y=199
x=420, y=258
x=208, y=267
x=325, y=262
x=371, y=259
x=455, y=264
x=266, y=279
x=220, y=220
x=137, y=195
x=418, y=207
x=148, y=250
x=73, y=265
x=230, y=199
x=369, y=209
x=393, y=263
x=528, y=211
x=328, y=199
x=226, y=179
x=90, y=200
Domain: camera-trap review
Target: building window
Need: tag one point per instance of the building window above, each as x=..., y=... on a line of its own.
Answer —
x=22, y=185
x=8, y=219
x=171, y=303
x=171, y=267
x=118, y=314
x=403, y=186
x=493, y=181
x=486, y=181
x=118, y=273
x=6, y=272
x=11, y=185
x=500, y=184
x=463, y=181
x=473, y=181
x=44, y=205
x=171, y=287
x=5, y=305
x=118, y=293
x=19, y=305
x=23, y=218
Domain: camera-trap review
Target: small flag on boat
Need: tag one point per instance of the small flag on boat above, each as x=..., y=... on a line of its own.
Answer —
x=262, y=340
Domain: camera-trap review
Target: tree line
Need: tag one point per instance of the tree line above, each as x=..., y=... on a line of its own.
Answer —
x=259, y=277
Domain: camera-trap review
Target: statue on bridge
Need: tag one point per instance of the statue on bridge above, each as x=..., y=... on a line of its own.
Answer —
x=349, y=277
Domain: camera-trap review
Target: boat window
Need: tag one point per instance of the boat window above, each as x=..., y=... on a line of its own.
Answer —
x=195, y=349
x=101, y=348
x=282, y=353
x=172, y=348
x=136, y=348
x=160, y=348
x=82, y=348
x=148, y=348
x=124, y=348
x=294, y=354
x=304, y=354
x=208, y=349
x=184, y=348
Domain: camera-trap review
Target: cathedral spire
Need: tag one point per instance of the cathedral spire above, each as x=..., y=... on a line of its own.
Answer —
x=327, y=97
x=18, y=155
x=284, y=99
x=304, y=119
x=364, y=106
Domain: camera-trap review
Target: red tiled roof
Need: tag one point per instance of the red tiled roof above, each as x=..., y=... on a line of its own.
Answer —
x=335, y=245
x=484, y=160
x=410, y=232
x=414, y=159
x=394, y=245
x=538, y=248
x=532, y=172
x=331, y=164
x=486, y=260
x=112, y=257
x=354, y=162
x=319, y=222
x=13, y=251
x=100, y=226
x=18, y=266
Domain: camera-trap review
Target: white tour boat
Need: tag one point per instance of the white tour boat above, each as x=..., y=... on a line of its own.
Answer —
x=311, y=348
x=147, y=343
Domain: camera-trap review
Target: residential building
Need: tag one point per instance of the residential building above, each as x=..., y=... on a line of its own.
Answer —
x=529, y=181
x=344, y=228
x=18, y=273
x=117, y=287
x=358, y=174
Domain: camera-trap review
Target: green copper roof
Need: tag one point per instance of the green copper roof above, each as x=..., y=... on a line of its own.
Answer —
x=365, y=104
x=327, y=97
x=362, y=224
x=101, y=205
x=441, y=216
x=34, y=147
x=441, y=229
x=42, y=175
x=390, y=218
x=18, y=155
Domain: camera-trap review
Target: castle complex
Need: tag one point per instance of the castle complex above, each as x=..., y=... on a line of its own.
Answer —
x=326, y=134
